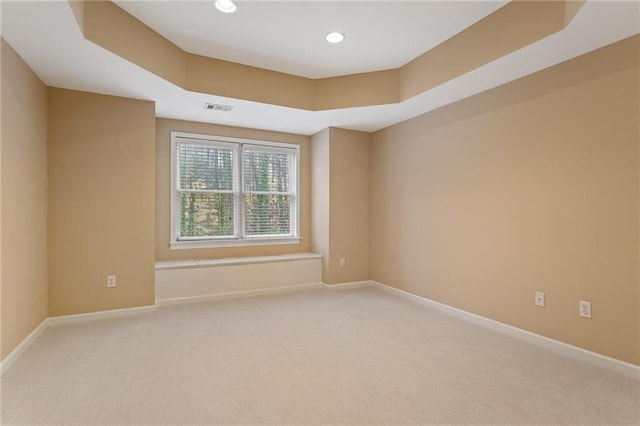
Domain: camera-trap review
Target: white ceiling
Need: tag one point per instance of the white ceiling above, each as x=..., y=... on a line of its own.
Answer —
x=289, y=36
x=47, y=37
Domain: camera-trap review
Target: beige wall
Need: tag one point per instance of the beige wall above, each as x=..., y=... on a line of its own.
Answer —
x=229, y=79
x=23, y=200
x=349, y=206
x=530, y=186
x=510, y=28
x=320, y=175
x=340, y=192
x=101, y=201
x=163, y=190
x=2, y=42
x=111, y=27
x=372, y=88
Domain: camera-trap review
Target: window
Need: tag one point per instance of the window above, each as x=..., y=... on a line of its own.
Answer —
x=227, y=191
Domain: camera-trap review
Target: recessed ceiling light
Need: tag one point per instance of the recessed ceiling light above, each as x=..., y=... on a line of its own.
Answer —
x=226, y=6
x=335, y=37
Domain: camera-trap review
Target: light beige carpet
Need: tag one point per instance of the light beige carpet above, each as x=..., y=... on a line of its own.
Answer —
x=333, y=357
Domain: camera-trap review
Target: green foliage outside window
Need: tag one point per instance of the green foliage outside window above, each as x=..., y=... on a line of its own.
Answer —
x=207, y=192
x=267, y=202
x=204, y=172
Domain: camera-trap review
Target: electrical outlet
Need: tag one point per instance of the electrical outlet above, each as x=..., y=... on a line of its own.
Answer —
x=585, y=309
x=539, y=301
x=111, y=280
x=343, y=262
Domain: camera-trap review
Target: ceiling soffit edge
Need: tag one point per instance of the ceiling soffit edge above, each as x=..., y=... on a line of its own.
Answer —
x=510, y=28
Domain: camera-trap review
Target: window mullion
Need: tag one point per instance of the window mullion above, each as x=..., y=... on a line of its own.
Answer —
x=293, y=188
x=203, y=190
x=239, y=195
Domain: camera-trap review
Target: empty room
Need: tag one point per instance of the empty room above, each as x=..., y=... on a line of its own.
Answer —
x=320, y=212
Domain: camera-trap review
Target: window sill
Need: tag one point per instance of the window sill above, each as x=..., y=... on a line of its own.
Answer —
x=186, y=245
x=203, y=263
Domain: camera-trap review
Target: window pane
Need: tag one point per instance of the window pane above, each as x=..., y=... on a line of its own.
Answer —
x=267, y=214
x=266, y=171
x=206, y=215
x=205, y=167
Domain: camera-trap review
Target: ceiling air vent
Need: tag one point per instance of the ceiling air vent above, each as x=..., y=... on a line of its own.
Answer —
x=218, y=107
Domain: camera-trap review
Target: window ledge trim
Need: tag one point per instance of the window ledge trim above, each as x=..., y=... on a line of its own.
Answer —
x=231, y=261
x=201, y=244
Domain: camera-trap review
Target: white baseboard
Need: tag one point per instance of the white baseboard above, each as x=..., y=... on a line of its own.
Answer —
x=345, y=286
x=259, y=292
x=235, y=294
x=92, y=316
x=562, y=348
x=6, y=363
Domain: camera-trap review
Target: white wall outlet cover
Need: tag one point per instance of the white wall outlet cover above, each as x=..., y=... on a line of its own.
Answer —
x=111, y=280
x=539, y=299
x=584, y=309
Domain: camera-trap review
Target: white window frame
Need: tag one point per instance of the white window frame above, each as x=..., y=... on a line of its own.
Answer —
x=239, y=239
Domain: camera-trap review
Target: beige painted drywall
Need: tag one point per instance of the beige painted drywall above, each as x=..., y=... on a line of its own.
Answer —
x=346, y=91
x=232, y=80
x=109, y=26
x=530, y=186
x=23, y=200
x=101, y=155
x=77, y=7
x=320, y=201
x=638, y=206
x=349, y=206
x=510, y=28
x=340, y=206
x=2, y=42
x=571, y=9
x=163, y=190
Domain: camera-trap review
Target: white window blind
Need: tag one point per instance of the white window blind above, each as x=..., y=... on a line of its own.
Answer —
x=269, y=191
x=227, y=191
x=206, y=190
